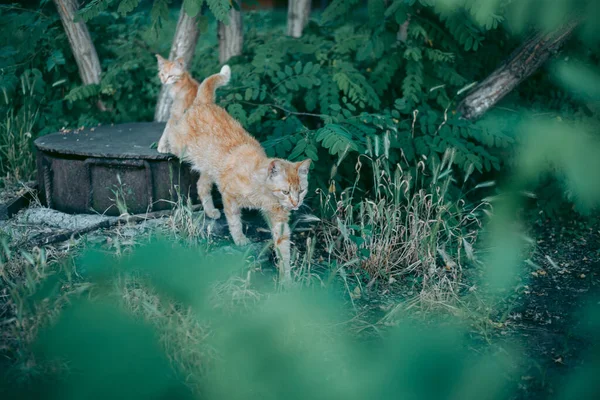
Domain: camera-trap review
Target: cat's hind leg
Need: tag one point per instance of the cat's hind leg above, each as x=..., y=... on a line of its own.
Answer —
x=205, y=184
x=234, y=219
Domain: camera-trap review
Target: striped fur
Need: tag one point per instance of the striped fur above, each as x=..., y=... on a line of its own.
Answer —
x=217, y=146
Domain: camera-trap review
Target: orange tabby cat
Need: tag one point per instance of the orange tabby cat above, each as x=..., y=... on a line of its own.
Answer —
x=224, y=153
x=182, y=90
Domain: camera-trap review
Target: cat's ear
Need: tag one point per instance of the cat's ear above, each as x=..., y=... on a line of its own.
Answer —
x=179, y=63
x=275, y=168
x=161, y=60
x=304, y=166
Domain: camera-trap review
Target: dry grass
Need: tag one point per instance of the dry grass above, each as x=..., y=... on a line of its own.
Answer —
x=17, y=162
x=404, y=234
x=236, y=293
x=32, y=297
x=307, y=270
x=182, y=335
x=188, y=221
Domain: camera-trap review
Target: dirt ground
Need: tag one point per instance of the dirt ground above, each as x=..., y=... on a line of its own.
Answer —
x=549, y=313
x=545, y=317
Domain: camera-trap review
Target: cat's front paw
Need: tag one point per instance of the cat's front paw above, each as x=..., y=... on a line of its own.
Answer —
x=214, y=213
x=241, y=241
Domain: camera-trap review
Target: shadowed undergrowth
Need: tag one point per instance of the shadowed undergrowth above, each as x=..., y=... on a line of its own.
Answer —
x=153, y=324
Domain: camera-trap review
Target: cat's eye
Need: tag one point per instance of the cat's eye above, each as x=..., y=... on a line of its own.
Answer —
x=285, y=192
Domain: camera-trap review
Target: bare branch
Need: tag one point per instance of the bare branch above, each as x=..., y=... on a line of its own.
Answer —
x=520, y=65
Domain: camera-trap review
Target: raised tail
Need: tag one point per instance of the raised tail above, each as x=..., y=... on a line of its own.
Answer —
x=206, y=90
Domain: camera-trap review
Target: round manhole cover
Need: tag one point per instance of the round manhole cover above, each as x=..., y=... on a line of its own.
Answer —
x=110, y=170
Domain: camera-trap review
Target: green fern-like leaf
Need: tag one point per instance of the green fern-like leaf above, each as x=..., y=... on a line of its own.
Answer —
x=310, y=100
x=413, y=81
x=413, y=53
x=347, y=40
x=237, y=111
x=463, y=31
x=257, y=114
x=267, y=60
x=329, y=94
x=483, y=14
x=337, y=139
x=284, y=137
x=381, y=77
x=127, y=6
x=359, y=130
x=298, y=77
x=404, y=143
x=418, y=32
x=376, y=10
x=450, y=75
x=303, y=149
x=56, y=58
x=394, y=7
x=192, y=7
x=438, y=56
x=83, y=92
x=337, y=9
x=298, y=149
x=159, y=13
x=92, y=9
x=110, y=77
x=220, y=9
x=354, y=85
x=371, y=49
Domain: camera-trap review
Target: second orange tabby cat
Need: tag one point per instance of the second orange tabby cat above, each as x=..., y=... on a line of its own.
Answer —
x=182, y=90
x=217, y=146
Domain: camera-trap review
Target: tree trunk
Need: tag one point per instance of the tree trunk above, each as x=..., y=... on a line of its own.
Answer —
x=184, y=45
x=81, y=44
x=523, y=62
x=402, y=34
x=298, y=13
x=231, y=37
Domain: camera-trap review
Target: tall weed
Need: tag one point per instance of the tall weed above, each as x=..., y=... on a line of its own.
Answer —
x=408, y=230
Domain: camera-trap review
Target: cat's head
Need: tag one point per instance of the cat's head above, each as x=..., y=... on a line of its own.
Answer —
x=170, y=72
x=288, y=181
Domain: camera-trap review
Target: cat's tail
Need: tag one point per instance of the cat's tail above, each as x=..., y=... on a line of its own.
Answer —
x=206, y=90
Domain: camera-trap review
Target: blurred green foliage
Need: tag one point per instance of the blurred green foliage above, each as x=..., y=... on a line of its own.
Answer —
x=291, y=344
